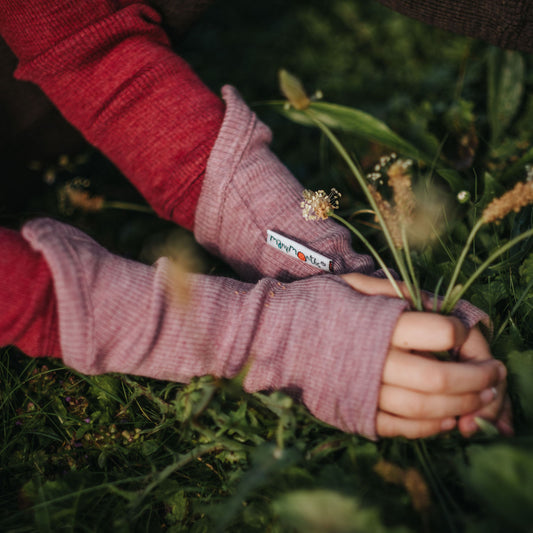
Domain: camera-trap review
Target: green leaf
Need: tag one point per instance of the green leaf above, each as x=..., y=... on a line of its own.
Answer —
x=491, y=189
x=327, y=511
x=149, y=447
x=520, y=365
x=502, y=475
x=267, y=461
x=361, y=124
x=506, y=76
x=526, y=270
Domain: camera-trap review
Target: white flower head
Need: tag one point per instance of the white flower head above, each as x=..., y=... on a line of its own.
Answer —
x=463, y=197
x=319, y=205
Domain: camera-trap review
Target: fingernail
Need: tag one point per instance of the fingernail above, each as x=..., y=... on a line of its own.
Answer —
x=447, y=424
x=488, y=395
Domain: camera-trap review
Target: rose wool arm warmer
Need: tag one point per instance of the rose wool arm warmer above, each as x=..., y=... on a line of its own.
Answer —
x=316, y=337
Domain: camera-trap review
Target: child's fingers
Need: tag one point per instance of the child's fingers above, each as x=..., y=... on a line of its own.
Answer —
x=428, y=332
x=382, y=286
x=476, y=348
x=422, y=374
x=416, y=405
x=388, y=425
x=497, y=412
x=374, y=286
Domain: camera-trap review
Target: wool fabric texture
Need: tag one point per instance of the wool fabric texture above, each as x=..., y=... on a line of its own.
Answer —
x=28, y=316
x=109, y=68
x=116, y=315
x=504, y=23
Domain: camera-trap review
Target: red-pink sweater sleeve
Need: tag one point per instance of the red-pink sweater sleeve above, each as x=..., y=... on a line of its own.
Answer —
x=28, y=317
x=108, y=67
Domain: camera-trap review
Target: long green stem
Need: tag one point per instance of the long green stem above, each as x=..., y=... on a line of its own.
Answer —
x=461, y=260
x=372, y=250
x=436, y=484
x=449, y=303
x=364, y=186
x=523, y=296
x=417, y=299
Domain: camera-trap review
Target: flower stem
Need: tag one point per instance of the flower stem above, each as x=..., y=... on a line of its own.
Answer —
x=364, y=186
x=449, y=302
x=372, y=250
x=416, y=297
x=459, y=264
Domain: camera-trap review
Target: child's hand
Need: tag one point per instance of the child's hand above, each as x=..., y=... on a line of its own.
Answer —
x=421, y=396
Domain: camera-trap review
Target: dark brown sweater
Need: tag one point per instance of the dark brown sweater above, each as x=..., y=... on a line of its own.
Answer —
x=504, y=23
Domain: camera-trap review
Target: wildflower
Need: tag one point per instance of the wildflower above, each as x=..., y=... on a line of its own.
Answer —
x=463, y=197
x=74, y=195
x=375, y=177
x=519, y=196
x=319, y=204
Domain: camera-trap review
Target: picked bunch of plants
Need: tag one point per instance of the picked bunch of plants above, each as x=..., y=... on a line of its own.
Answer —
x=401, y=218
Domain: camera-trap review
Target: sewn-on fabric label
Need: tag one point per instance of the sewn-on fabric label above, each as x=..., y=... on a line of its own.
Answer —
x=299, y=251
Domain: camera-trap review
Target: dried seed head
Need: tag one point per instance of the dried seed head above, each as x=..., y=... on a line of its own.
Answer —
x=519, y=196
x=319, y=205
x=400, y=183
x=390, y=217
x=184, y=259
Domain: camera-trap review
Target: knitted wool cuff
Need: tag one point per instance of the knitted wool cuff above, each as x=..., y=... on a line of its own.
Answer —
x=247, y=191
x=316, y=337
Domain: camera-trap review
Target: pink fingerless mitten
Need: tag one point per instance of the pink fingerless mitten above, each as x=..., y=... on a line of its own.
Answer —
x=316, y=337
x=247, y=191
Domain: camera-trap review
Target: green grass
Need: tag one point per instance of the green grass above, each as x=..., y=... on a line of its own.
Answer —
x=116, y=453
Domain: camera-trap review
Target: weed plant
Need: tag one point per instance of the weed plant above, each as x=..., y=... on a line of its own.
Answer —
x=118, y=453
